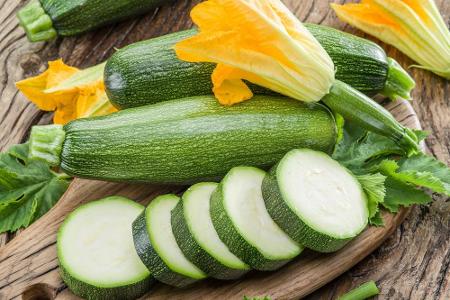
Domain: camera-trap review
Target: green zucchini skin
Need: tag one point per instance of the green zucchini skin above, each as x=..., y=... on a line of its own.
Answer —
x=195, y=253
x=90, y=292
x=360, y=63
x=235, y=242
x=193, y=139
x=78, y=16
x=149, y=71
x=291, y=223
x=151, y=258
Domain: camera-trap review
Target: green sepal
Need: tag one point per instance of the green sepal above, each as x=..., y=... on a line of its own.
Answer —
x=36, y=23
x=46, y=143
x=399, y=83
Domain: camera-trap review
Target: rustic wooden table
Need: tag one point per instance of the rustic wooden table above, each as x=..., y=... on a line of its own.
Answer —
x=412, y=264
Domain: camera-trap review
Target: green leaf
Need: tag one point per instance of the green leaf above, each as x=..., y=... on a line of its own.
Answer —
x=429, y=164
x=359, y=147
x=28, y=188
x=399, y=194
x=417, y=175
x=377, y=220
x=373, y=186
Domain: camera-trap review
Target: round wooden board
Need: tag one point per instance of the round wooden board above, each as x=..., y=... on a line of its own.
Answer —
x=29, y=267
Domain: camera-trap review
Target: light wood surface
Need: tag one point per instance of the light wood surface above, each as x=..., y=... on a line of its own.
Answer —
x=413, y=263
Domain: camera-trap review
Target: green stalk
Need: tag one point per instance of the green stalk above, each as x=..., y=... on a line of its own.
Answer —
x=36, y=23
x=364, y=291
x=399, y=83
x=46, y=143
x=360, y=109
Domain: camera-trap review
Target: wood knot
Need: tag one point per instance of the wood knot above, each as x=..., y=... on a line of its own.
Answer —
x=39, y=291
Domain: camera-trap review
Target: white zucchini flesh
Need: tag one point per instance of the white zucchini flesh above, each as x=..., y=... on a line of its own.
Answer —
x=196, y=208
x=95, y=244
x=245, y=206
x=322, y=193
x=158, y=216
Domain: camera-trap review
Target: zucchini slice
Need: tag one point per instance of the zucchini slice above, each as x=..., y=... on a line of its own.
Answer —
x=96, y=251
x=156, y=245
x=240, y=217
x=197, y=238
x=318, y=202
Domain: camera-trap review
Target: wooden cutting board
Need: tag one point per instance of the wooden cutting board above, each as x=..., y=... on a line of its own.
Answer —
x=29, y=266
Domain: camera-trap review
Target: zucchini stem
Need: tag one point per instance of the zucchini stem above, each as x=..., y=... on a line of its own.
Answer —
x=399, y=83
x=364, y=291
x=36, y=23
x=358, y=108
x=46, y=143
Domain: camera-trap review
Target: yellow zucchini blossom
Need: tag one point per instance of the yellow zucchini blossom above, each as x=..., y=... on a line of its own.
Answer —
x=262, y=42
x=415, y=27
x=70, y=92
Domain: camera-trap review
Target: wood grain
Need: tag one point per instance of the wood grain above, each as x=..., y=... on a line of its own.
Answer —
x=412, y=264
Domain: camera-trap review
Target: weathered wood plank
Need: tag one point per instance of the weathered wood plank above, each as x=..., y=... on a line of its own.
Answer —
x=412, y=263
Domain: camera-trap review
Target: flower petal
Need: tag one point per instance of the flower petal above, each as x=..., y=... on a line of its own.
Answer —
x=70, y=92
x=415, y=27
x=262, y=42
x=33, y=87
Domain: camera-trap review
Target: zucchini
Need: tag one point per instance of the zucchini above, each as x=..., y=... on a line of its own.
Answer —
x=43, y=20
x=195, y=234
x=185, y=140
x=96, y=251
x=149, y=71
x=156, y=245
x=315, y=200
x=240, y=217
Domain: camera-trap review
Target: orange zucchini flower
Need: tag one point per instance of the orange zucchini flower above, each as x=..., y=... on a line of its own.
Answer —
x=262, y=42
x=70, y=92
x=415, y=27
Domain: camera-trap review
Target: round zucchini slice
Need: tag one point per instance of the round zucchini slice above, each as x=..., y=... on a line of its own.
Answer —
x=318, y=202
x=197, y=237
x=96, y=251
x=240, y=218
x=156, y=245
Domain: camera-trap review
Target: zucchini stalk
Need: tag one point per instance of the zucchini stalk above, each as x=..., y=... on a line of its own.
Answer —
x=399, y=83
x=36, y=23
x=358, y=108
x=46, y=143
x=364, y=291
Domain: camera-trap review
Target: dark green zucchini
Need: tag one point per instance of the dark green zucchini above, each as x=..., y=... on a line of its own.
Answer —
x=185, y=140
x=45, y=19
x=149, y=71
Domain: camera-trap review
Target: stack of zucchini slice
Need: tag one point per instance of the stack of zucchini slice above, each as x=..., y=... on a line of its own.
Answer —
x=250, y=220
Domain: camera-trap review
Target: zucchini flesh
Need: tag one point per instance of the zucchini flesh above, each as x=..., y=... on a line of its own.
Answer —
x=189, y=140
x=156, y=245
x=197, y=238
x=240, y=217
x=96, y=251
x=315, y=200
x=149, y=71
x=44, y=19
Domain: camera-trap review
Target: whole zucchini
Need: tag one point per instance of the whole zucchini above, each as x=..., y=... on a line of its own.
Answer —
x=44, y=19
x=149, y=71
x=184, y=140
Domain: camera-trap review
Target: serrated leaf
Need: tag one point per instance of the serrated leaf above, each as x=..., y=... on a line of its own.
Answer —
x=416, y=175
x=377, y=220
x=426, y=163
x=28, y=189
x=359, y=147
x=402, y=194
x=373, y=186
